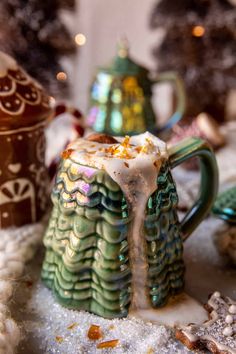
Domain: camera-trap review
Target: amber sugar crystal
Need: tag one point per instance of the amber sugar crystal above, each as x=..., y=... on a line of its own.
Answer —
x=120, y=150
x=66, y=154
x=108, y=344
x=72, y=326
x=95, y=332
x=59, y=339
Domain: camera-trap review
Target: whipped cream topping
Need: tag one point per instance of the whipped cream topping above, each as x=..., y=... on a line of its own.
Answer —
x=130, y=149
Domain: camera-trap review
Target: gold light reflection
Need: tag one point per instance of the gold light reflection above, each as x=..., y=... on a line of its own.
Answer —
x=80, y=39
x=198, y=31
x=61, y=76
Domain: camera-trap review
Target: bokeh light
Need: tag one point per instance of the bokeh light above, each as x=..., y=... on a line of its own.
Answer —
x=61, y=76
x=80, y=39
x=198, y=31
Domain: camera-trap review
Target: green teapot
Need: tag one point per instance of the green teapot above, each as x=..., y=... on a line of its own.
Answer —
x=121, y=98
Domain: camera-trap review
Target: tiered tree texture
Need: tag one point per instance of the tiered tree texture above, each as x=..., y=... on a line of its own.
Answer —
x=32, y=32
x=200, y=44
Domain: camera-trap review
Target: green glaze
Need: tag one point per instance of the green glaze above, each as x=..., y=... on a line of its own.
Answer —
x=225, y=205
x=193, y=147
x=87, y=262
x=164, y=243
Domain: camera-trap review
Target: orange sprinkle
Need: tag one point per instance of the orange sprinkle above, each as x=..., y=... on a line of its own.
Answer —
x=95, y=332
x=66, y=154
x=59, y=339
x=108, y=344
x=125, y=142
x=138, y=149
x=73, y=325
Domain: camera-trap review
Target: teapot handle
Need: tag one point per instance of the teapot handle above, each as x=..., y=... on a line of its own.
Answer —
x=194, y=147
x=181, y=98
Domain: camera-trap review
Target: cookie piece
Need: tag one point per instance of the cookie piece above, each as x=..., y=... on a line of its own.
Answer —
x=218, y=334
x=102, y=138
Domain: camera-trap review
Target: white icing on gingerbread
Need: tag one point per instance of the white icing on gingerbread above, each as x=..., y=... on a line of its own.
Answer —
x=17, y=190
x=33, y=128
x=4, y=108
x=232, y=309
x=41, y=148
x=229, y=319
x=18, y=89
x=9, y=90
x=39, y=176
x=228, y=331
x=219, y=330
x=14, y=167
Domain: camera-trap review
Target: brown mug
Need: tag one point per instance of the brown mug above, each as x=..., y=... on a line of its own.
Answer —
x=25, y=110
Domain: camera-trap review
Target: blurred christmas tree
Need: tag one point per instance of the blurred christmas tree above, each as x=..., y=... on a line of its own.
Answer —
x=32, y=32
x=200, y=43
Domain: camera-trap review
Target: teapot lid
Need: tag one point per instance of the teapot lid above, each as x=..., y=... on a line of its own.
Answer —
x=123, y=65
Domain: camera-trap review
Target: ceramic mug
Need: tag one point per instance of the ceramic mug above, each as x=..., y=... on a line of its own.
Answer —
x=25, y=111
x=88, y=262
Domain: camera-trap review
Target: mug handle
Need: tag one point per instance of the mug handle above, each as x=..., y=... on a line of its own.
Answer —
x=181, y=97
x=194, y=147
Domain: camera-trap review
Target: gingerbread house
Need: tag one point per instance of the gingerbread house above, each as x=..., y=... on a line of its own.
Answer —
x=24, y=109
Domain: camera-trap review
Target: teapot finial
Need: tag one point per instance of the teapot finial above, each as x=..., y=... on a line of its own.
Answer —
x=123, y=47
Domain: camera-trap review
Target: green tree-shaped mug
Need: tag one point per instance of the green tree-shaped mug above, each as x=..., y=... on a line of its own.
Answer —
x=109, y=248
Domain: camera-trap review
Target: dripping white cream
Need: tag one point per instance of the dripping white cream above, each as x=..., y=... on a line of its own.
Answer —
x=133, y=164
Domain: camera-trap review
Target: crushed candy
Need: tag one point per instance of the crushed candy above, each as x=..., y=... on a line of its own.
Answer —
x=59, y=339
x=66, y=153
x=125, y=143
x=119, y=151
x=72, y=326
x=124, y=149
x=95, y=332
x=108, y=344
